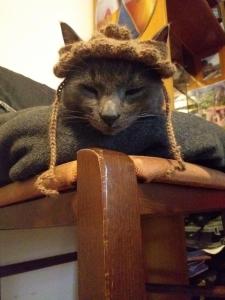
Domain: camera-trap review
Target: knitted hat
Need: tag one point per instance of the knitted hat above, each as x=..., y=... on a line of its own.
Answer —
x=114, y=41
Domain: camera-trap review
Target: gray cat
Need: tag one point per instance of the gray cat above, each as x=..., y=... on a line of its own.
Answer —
x=109, y=103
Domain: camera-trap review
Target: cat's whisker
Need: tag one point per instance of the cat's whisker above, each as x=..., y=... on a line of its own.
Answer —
x=75, y=121
x=65, y=112
x=71, y=112
x=74, y=117
x=149, y=115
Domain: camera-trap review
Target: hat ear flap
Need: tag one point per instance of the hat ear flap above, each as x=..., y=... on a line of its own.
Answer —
x=69, y=35
x=162, y=35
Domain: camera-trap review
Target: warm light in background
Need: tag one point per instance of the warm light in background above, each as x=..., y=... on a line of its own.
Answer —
x=106, y=12
x=136, y=14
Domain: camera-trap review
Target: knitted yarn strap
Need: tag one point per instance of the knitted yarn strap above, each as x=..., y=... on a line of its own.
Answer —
x=48, y=177
x=174, y=147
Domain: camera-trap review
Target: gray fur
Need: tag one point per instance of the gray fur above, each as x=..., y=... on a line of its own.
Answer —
x=97, y=89
x=24, y=149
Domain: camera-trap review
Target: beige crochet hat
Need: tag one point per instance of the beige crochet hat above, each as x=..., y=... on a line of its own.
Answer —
x=114, y=41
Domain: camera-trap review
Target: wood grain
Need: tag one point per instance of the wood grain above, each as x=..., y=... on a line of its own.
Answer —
x=44, y=212
x=170, y=199
x=108, y=207
x=109, y=234
x=165, y=253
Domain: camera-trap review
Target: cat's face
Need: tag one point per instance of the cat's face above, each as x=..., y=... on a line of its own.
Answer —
x=111, y=94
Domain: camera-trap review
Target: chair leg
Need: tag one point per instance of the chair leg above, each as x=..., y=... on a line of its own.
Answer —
x=110, y=262
x=165, y=253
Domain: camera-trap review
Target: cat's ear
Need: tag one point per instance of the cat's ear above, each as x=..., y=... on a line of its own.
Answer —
x=162, y=35
x=69, y=35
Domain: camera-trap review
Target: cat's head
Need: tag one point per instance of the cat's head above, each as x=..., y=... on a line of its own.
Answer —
x=111, y=92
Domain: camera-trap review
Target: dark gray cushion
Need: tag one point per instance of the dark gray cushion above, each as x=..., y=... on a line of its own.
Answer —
x=20, y=92
x=24, y=146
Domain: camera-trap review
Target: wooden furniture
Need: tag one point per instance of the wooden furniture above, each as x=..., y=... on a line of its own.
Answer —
x=129, y=232
x=195, y=26
x=196, y=33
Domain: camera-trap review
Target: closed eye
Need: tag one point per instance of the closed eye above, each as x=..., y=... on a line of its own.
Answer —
x=89, y=90
x=134, y=92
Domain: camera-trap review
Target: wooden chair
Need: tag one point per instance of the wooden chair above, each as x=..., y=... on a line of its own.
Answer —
x=130, y=232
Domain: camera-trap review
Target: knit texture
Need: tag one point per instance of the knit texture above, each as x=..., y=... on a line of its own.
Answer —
x=25, y=152
x=115, y=41
x=29, y=143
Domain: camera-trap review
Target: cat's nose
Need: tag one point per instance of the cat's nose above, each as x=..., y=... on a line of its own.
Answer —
x=109, y=119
